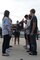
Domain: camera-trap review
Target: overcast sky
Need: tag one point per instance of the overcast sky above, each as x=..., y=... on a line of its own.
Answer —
x=18, y=8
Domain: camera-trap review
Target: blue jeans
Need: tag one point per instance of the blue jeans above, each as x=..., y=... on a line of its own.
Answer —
x=33, y=43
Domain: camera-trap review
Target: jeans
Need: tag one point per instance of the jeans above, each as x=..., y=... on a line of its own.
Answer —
x=5, y=43
x=33, y=43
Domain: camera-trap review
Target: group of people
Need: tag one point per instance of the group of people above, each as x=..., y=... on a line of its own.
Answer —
x=30, y=32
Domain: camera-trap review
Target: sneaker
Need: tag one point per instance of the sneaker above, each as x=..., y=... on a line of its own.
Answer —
x=8, y=50
x=5, y=54
x=32, y=53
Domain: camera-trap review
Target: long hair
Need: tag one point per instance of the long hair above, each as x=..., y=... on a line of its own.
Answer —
x=6, y=13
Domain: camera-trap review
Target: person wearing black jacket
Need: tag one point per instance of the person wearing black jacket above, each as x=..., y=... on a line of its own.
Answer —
x=17, y=33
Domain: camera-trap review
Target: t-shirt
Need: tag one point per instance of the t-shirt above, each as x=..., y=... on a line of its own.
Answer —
x=28, y=24
x=27, y=27
x=34, y=19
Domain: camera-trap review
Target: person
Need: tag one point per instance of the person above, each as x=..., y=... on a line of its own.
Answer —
x=10, y=34
x=21, y=24
x=33, y=32
x=28, y=35
x=26, y=30
x=5, y=32
x=17, y=33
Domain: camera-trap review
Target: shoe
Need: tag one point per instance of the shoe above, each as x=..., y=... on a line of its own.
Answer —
x=5, y=54
x=8, y=50
x=10, y=46
x=32, y=53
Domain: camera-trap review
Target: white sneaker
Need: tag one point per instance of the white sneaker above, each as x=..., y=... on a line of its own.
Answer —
x=8, y=50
